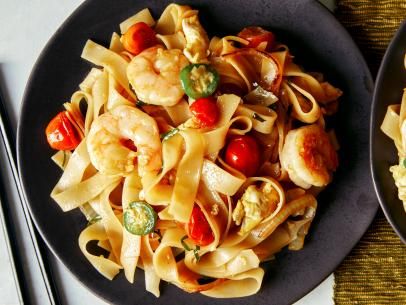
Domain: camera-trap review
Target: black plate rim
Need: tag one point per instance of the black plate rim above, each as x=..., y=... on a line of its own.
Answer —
x=373, y=125
x=321, y=7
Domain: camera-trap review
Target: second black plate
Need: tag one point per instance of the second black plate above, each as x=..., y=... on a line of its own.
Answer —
x=390, y=82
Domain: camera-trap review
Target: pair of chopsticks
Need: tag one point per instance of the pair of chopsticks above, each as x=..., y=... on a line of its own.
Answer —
x=8, y=139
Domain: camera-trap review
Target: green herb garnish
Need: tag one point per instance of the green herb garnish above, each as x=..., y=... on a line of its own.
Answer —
x=140, y=103
x=184, y=244
x=94, y=220
x=196, y=253
x=404, y=163
x=187, y=248
x=64, y=159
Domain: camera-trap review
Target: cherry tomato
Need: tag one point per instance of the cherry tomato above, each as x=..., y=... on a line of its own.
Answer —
x=255, y=35
x=61, y=134
x=138, y=38
x=205, y=111
x=198, y=228
x=242, y=153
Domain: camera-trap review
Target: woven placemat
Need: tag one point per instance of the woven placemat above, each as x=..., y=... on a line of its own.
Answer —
x=375, y=271
x=372, y=24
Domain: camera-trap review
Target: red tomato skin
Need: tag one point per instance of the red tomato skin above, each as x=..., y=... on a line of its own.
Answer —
x=61, y=135
x=198, y=228
x=205, y=111
x=242, y=153
x=255, y=35
x=138, y=38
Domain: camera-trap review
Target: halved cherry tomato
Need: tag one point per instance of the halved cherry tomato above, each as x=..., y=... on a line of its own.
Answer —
x=198, y=228
x=242, y=153
x=61, y=135
x=255, y=35
x=138, y=38
x=205, y=111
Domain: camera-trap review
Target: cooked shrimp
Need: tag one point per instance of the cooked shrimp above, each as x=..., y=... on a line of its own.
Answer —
x=109, y=151
x=154, y=75
x=308, y=156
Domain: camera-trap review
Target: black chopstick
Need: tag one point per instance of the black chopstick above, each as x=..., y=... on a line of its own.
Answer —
x=11, y=246
x=8, y=138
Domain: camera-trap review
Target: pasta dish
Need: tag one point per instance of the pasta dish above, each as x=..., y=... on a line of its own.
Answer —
x=193, y=158
x=394, y=126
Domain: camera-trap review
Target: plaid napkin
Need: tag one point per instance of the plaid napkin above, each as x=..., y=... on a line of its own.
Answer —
x=375, y=271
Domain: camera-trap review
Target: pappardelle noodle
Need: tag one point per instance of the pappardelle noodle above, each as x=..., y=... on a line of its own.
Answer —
x=394, y=126
x=195, y=159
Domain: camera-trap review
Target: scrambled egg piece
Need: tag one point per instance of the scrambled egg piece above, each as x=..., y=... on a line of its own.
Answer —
x=197, y=41
x=254, y=206
x=399, y=175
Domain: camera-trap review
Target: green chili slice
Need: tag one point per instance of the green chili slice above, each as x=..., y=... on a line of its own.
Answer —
x=139, y=218
x=169, y=134
x=199, y=80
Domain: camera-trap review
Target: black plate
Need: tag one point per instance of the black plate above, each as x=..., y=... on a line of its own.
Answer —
x=390, y=82
x=319, y=42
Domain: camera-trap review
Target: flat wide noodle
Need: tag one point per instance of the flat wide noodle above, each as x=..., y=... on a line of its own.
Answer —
x=170, y=21
x=157, y=193
x=131, y=246
x=112, y=224
x=112, y=62
x=241, y=261
x=142, y=16
x=307, y=116
x=240, y=285
x=220, y=180
x=216, y=213
x=82, y=192
x=390, y=125
x=188, y=176
x=106, y=267
x=151, y=278
x=262, y=117
x=70, y=191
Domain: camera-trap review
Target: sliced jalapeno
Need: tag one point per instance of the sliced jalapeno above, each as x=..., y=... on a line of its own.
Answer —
x=139, y=218
x=199, y=80
x=169, y=134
